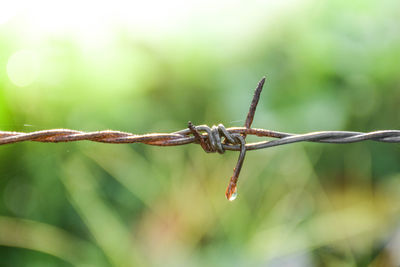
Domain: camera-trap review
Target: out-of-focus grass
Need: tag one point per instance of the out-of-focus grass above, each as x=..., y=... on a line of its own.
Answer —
x=49, y=239
x=329, y=66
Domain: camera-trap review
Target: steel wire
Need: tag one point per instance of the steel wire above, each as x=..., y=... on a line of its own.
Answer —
x=184, y=137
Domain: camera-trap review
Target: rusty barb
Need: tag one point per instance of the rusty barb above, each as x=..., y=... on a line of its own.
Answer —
x=213, y=136
x=211, y=139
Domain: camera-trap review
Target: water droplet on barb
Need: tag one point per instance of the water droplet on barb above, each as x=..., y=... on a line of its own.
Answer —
x=233, y=196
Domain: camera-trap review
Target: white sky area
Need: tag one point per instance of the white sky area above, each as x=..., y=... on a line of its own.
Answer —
x=93, y=24
x=150, y=16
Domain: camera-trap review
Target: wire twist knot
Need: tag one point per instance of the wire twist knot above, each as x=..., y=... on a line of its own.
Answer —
x=215, y=137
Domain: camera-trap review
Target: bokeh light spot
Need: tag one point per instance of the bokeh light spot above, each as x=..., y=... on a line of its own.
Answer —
x=23, y=68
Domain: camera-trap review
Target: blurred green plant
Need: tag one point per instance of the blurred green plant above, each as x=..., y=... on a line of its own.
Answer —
x=331, y=66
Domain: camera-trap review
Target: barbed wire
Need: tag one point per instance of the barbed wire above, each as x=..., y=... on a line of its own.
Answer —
x=212, y=139
x=184, y=137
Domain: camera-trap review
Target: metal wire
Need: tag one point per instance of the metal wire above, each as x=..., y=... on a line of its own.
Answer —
x=212, y=139
x=218, y=139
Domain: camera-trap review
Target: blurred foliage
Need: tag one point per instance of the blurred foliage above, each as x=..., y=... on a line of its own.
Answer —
x=331, y=65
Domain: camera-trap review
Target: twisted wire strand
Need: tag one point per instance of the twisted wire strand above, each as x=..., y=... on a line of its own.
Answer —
x=218, y=137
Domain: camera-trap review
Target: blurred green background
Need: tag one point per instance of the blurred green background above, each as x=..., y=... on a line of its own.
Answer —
x=151, y=66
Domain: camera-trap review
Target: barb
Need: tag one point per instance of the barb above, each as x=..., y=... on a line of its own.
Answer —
x=231, y=190
x=212, y=139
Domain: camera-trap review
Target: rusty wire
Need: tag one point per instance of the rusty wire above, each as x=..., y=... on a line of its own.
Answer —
x=212, y=139
x=183, y=137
